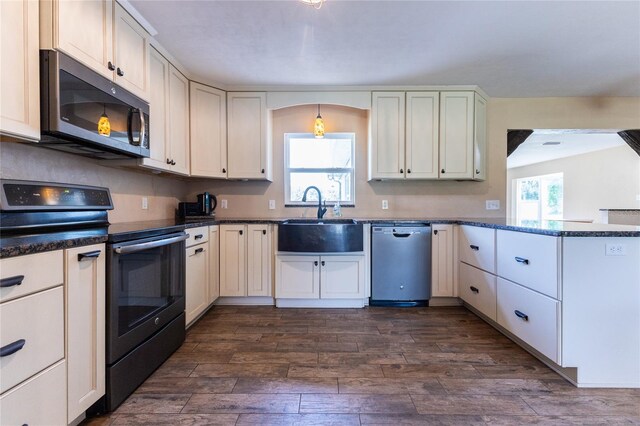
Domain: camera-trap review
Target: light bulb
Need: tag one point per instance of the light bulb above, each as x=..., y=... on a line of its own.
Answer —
x=104, y=127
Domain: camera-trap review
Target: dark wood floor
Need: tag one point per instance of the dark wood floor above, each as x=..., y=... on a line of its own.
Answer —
x=262, y=365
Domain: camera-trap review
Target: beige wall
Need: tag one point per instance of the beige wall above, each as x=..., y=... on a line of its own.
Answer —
x=608, y=178
x=428, y=198
x=23, y=161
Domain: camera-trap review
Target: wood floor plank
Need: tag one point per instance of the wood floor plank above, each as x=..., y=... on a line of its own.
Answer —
x=176, y=419
x=584, y=405
x=240, y=370
x=427, y=371
x=335, y=371
x=420, y=420
x=287, y=385
x=397, y=347
x=299, y=420
x=449, y=358
x=470, y=404
x=352, y=403
x=516, y=371
x=494, y=386
x=274, y=358
x=172, y=368
x=317, y=347
x=242, y=403
x=153, y=403
x=236, y=347
x=560, y=420
x=331, y=358
x=206, y=336
x=390, y=386
x=169, y=385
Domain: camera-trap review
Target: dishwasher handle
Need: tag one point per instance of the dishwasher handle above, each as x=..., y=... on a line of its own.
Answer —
x=399, y=235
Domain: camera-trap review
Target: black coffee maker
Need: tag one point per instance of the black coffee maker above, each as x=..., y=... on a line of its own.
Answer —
x=207, y=203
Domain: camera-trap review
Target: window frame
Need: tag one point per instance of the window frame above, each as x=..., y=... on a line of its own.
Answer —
x=288, y=170
x=543, y=196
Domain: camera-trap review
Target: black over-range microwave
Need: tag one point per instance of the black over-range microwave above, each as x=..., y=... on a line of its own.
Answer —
x=85, y=113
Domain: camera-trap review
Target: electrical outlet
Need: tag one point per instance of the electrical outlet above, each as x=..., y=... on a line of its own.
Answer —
x=493, y=204
x=638, y=197
x=615, y=249
x=385, y=204
x=272, y=204
x=145, y=203
x=223, y=204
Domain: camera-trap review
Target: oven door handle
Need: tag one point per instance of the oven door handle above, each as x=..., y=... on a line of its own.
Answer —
x=151, y=244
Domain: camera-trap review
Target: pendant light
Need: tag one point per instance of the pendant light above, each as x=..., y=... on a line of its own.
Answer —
x=104, y=127
x=318, y=128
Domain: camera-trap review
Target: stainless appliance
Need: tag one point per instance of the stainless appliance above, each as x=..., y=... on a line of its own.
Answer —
x=400, y=265
x=84, y=113
x=145, y=303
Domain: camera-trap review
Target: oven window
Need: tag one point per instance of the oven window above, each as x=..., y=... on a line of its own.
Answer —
x=149, y=281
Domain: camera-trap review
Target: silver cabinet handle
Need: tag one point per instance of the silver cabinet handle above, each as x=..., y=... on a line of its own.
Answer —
x=149, y=245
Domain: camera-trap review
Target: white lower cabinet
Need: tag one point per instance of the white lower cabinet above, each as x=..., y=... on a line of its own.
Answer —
x=40, y=401
x=85, y=306
x=531, y=316
x=443, y=261
x=478, y=289
x=197, y=273
x=320, y=277
x=214, y=263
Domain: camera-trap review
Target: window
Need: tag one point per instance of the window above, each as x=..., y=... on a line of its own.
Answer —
x=539, y=198
x=326, y=163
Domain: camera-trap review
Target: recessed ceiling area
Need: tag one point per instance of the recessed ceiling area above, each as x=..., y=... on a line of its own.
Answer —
x=546, y=145
x=508, y=48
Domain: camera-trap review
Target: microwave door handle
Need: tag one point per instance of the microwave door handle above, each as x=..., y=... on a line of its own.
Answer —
x=149, y=245
x=129, y=126
x=143, y=128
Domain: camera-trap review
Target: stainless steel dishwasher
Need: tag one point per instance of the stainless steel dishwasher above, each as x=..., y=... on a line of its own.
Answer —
x=400, y=265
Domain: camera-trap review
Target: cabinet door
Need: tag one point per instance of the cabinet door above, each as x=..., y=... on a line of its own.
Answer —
x=259, y=260
x=84, y=30
x=85, y=308
x=456, y=135
x=442, y=261
x=197, y=279
x=178, y=121
x=208, y=121
x=214, y=263
x=131, y=53
x=422, y=135
x=387, y=155
x=341, y=277
x=233, y=278
x=19, y=56
x=297, y=277
x=248, y=147
x=158, y=110
x=480, y=139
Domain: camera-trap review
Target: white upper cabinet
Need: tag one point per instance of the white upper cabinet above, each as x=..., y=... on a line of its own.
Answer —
x=427, y=135
x=169, y=127
x=20, y=83
x=101, y=35
x=208, y=123
x=422, y=135
x=249, y=140
x=457, y=135
x=131, y=52
x=387, y=153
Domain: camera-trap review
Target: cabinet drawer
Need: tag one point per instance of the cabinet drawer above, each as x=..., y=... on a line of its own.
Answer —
x=37, y=319
x=531, y=260
x=478, y=247
x=197, y=235
x=42, y=400
x=533, y=317
x=40, y=271
x=478, y=288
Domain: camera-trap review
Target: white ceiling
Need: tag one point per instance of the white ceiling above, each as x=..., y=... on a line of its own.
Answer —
x=533, y=151
x=508, y=48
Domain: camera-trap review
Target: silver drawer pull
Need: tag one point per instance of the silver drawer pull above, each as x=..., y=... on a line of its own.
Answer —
x=12, y=348
x=522, y=260
x=521, y=315
x=11, y=281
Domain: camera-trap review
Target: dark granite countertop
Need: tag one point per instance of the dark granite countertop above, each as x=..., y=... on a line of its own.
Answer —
x=18, y=245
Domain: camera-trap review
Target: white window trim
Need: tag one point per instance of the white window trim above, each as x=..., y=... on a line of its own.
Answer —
x=287, y=170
